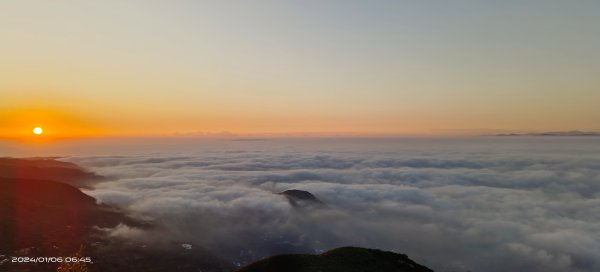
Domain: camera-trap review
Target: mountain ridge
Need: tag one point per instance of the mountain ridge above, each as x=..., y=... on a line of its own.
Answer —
x=571, y=133
x=343, y=259
x=47, y=168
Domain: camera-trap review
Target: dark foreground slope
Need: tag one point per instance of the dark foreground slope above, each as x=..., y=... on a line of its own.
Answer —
x=345, y=259
x=47, y=169
x=46, y=218
x=50, y=216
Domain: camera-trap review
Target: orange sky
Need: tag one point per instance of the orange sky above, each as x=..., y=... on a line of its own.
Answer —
x=106, y=68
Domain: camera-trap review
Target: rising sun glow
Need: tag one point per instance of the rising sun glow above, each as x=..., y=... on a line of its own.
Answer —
x=38, y=131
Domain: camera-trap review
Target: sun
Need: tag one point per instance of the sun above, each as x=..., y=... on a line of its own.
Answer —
x=38, y=131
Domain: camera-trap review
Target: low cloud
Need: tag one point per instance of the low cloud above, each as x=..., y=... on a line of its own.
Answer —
x=454, y=211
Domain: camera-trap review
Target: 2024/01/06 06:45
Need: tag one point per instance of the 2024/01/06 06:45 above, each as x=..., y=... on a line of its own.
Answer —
x=51, y=259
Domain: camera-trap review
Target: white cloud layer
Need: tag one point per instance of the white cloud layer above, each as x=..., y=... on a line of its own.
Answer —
x=452, y=205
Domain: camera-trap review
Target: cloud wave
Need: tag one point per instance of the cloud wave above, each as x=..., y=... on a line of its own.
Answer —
x=482, y=208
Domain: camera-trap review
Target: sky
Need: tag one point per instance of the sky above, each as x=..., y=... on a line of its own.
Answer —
x=127, y=68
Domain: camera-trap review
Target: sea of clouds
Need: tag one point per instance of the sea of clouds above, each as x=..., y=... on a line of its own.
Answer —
x=479, y=204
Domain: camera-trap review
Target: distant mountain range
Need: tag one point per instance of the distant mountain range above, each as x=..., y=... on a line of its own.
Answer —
x=554, y=133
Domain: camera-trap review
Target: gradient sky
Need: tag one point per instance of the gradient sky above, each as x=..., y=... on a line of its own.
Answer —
x=84, y=68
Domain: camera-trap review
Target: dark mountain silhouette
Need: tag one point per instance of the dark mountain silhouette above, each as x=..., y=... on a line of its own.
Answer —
x=47, y=169
x=46, y=218
x=345, y=259
x=302, y=199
